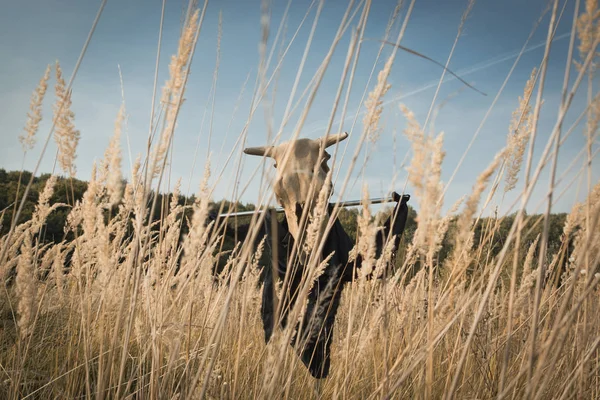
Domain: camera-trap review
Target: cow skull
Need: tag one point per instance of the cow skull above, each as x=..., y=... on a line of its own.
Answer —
x=301, y=174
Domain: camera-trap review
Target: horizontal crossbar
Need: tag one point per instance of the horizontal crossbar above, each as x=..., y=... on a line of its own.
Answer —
x=349, y=203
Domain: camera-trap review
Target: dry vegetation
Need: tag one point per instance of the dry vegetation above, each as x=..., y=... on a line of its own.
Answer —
x=126, y=311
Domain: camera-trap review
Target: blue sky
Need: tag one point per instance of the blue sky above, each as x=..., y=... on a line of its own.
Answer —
x=34, y=33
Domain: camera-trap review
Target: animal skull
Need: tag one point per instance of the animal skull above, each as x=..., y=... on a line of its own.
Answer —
x=301, y=174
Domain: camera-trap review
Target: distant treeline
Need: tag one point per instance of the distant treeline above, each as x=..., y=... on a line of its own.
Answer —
x=68, y=191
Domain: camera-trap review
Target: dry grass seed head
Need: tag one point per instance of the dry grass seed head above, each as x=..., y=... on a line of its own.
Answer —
x=58, y=272
x=466, y=220
x=65, y=134
x=195, y=242
x=594, y=119
x=374, y=102
x=43, y=208
x=443, y=225
x=34, y=116
x=587, y=243
x=366, y=237
x=588, y=28
x=575, y=225
x=112, y=160
x=425, y=176
x=317, y=217
x=90, y=203
x=520, y=129
x=528, y=279
x=174, y=89
x=432, y=204
x=26, y=287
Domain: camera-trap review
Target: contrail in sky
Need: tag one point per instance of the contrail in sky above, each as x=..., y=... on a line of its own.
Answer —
x=466, y=71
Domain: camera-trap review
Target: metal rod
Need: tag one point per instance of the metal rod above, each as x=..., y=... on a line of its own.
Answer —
x=348, y=203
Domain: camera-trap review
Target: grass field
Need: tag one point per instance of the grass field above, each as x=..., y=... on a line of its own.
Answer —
x=127, y=310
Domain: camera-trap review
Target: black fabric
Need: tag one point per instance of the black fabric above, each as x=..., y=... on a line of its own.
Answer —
x=316, y=329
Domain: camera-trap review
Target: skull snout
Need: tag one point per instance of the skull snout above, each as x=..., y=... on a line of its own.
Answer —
x=302, y=172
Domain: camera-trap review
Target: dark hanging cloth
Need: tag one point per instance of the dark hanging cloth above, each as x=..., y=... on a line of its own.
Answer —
x=313, y=335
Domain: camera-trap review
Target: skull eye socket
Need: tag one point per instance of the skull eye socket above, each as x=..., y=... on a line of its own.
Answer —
x=324, y=160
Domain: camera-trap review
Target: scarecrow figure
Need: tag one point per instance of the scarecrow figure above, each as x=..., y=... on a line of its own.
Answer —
x=302, y=174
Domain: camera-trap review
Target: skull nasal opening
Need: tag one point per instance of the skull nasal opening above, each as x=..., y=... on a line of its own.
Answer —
x=298, y=213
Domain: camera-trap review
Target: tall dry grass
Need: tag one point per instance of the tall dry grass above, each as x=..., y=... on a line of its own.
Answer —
x=127, y=310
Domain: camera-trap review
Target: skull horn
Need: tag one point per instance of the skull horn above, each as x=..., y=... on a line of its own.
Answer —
x=267, y=151
x=333, y=139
